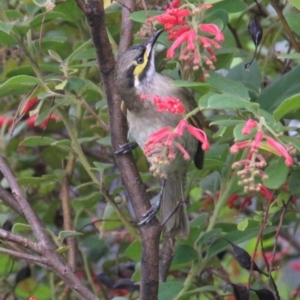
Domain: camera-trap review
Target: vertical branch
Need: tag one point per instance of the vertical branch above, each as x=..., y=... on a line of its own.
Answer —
x=95, y=15
x=127, y=26
x=67, y=209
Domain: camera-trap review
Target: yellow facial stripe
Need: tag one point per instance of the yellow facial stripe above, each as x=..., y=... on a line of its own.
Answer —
x=140, y=67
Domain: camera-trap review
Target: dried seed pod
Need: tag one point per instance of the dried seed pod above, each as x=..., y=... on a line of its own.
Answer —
x=244, y=258
x=256, y=33
x=264, y=294
x=240, y=291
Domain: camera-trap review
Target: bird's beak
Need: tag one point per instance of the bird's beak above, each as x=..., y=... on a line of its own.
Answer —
x=151, y=41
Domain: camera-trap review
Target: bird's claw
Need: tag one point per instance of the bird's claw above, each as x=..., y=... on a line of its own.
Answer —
x=125, y=148
x=150, y=214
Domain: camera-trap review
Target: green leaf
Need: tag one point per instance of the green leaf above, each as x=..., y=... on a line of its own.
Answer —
x=66, y=233
x=227, y=122
x=225, y=85
x=295, y=3
x=6, y=26
x=55, y=56
x=34, y=141
x=45, y=17
x=18, y=227
x=277, y=172
x=283, y=88
x=63, y=249
x=141, y=16
x=211, y=182
x=199, y=221
x=250, y=78
x=184, y=254
x=197, y=86
x=242, y=225
x=103, y=166
x=18, y=85
x=169, y=289
x=237, y=236
x=134, y=251
x=294, y=185
x=30, y=180
x=231, y=6
x=228, y=101
x=287, y=105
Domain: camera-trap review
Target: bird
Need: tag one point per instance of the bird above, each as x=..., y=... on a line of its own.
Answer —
x=135, y=75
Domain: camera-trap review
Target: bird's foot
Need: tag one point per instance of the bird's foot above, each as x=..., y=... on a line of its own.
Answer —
x=125, y=148
x=150, y=214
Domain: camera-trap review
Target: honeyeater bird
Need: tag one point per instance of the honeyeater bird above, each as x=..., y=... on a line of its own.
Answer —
x=135, y=75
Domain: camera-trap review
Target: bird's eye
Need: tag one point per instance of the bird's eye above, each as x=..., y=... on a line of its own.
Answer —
x=140, y=60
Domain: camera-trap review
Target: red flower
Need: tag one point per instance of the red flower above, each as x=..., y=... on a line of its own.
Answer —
x=281, y=150
x=248, y=126
x=258, y=138
x=266, y=193
x=28, y=105
x=239, y=145
x=43, y=125
x=214, y=30
x=186, y=36
x=165, y=138
x=173, y=105
x=6, y=120
x=295, y=266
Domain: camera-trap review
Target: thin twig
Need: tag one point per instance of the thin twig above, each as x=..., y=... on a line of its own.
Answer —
x=28, y=257
x=286, y=26
x=91, y=111
x=67, y=209
x=262, y=227
x=19, y=240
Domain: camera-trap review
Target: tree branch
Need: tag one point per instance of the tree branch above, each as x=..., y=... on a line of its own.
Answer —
x=95, y=15
x=32, y=219
x=9, y=199
x=286, y=26
x=45, y=246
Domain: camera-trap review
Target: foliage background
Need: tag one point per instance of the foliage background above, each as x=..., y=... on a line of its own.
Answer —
x=49, y=55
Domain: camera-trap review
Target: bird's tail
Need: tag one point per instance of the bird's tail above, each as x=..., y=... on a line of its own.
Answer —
x=178, y=223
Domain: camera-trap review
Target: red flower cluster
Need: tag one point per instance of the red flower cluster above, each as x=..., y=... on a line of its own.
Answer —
x=252, y=165
x=173, y=105
x=182, y=27
x=164, y=138
x=277, y=147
